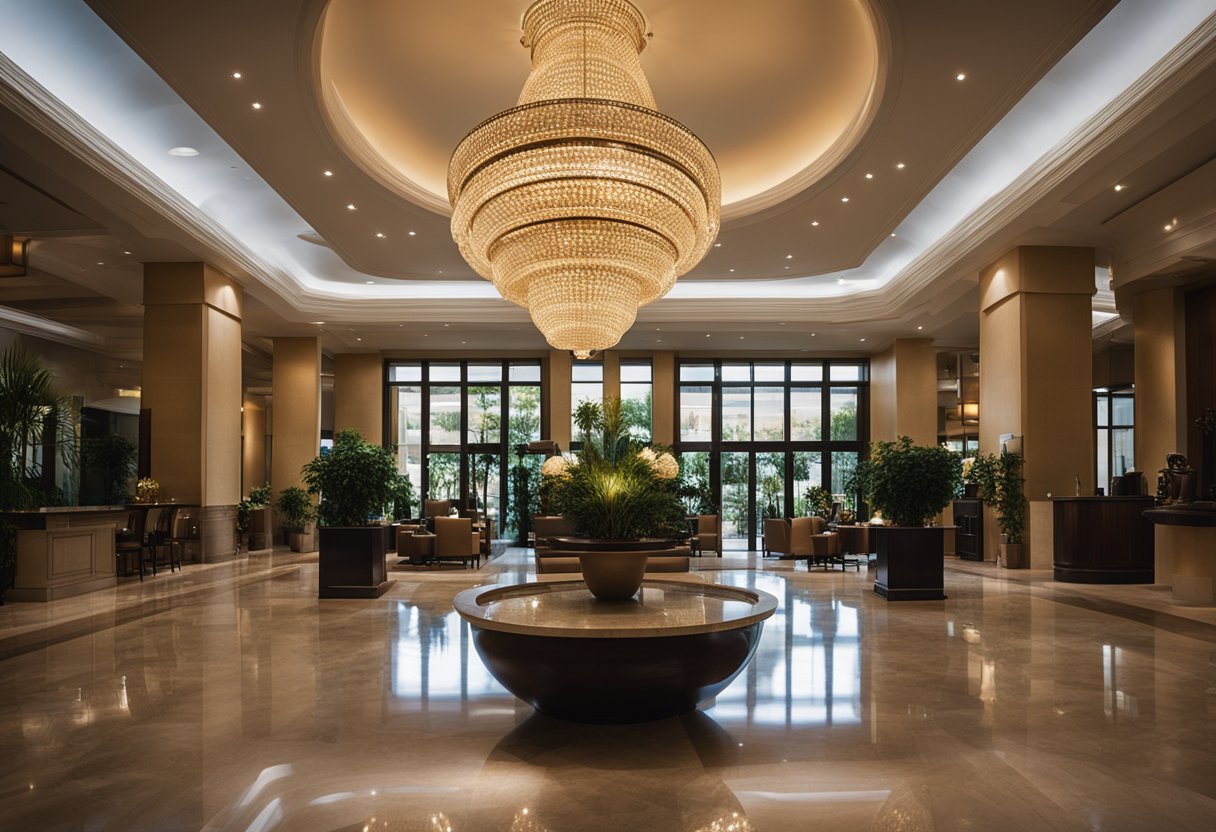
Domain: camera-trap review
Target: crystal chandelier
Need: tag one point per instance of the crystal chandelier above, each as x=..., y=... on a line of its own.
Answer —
x=583, y=203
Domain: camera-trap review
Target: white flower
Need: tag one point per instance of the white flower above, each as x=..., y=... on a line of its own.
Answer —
x=555, y=466
x=666, y=467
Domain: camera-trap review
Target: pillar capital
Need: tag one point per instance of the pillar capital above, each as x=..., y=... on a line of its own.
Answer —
x=1060, y=270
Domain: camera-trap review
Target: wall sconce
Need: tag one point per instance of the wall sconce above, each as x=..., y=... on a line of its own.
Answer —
x=969, y=412
x=14, y=256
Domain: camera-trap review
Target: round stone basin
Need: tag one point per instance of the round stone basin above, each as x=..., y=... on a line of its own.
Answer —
x=675, y=644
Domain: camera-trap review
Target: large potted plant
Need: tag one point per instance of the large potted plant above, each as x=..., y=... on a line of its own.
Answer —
x=253, y=518
x=1001, y=486
x=910, y=485
x=620, y=496
x=355, y=481
x=298, y=513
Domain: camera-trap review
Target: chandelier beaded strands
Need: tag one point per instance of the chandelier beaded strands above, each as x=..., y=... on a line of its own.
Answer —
x=583, y=202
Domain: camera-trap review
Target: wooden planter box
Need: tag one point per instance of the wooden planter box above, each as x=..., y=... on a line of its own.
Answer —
x=352, y=562
x=910, y=563
x=259, y=529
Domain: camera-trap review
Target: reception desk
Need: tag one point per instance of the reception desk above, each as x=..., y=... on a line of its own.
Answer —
x=1102, y=540
x=1186, y=550
x=64, y=550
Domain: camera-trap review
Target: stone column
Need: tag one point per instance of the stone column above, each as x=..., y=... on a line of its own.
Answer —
x=1036, y=371
x=192, y=386
x=1160, y=333
x=253, y=452
x=663, y=398
x=296, y=410
x=359, y=394
x=557, y=398
x=903, y=392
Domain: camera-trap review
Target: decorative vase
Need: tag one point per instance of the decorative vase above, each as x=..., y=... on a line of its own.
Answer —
x=613, y=575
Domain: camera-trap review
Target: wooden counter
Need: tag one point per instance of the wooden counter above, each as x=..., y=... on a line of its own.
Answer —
x=64, y=550
x=1103, y=540
x=1186, y=550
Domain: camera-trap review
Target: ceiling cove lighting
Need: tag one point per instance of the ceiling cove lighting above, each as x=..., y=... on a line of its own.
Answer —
x=182, y=151
x=583, y=202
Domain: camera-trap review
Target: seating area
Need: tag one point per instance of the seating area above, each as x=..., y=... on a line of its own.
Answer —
x=810, y=538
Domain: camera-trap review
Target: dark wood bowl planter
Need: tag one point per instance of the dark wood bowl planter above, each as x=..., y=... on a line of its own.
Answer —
x=910, y=562
x=613, y=569
x=352, y=562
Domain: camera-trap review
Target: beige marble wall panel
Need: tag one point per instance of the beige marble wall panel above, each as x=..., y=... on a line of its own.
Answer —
x=253, y=453
x=221, y=449
x=359, y=394
x=296, y=392
x=557, y=397
x=663, y=404
x=882, y=395
x=1160, y=332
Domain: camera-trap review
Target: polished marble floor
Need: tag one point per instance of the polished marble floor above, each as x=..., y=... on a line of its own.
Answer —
x=229, y=698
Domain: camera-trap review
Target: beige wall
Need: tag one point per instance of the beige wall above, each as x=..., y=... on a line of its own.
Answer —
x=1037, y=359
x=903, y=392
x=253, y=439
x=557, y=398
x=296, y=413
x=359, y=394
x=1160, y=360
x=192, y=381
x=663, y=400
x=612, y=374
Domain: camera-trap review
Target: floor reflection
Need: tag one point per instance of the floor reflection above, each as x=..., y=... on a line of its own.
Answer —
x=254, y=707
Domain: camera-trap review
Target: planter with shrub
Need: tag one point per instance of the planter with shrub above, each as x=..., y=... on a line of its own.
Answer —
x=355, y=482
x=298, y=513
x=1001, y=486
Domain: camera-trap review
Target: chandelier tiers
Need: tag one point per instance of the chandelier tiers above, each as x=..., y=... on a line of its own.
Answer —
x=583, y=202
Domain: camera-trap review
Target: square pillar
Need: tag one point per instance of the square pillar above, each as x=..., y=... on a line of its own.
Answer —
x=253, y=443
x=1036, y=360
x=1160, y=336
x=663, y=397
x=557, y=398
x=903, y=392
x=296, y=410
x=192, y=387
x=359, y=394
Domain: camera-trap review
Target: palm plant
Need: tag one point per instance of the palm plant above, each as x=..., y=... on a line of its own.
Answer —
x=29, y=408
x=618, y=490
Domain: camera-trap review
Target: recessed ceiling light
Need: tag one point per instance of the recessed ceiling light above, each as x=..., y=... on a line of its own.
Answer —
x=962, y=76
x=787, y=268
x=869, y=176
x=658, y=329
x=717, y=245
x=844, y=199
x=318, y=323
x=812, y=334
x=1120, y=187
x=861, y=339
x=412, y=233
x=440, y=271
x=707, y=335
x=658, y=340
x=351, y=207
x=182, y=151
x=370, y=282
x=126, y=252
x=380, y=235
x=327, y=172
x=101, y=262
x=447, y=324
x=464, y=342
x=732, y=270
x=782, y=323
x=789, y=257
x=740, y=337
x=358, y=339
x=892, y=233
x=236, y=75
x=815, y=222
x=900, y=166
x=840, y=280
x=257, y=105
x=919, y=328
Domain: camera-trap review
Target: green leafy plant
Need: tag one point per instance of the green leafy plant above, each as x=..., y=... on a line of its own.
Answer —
x=354, y=480
x=401, y=497
x=524, y=501
x=259, y=496
x=31, y=414
x=908, y=483
x=617, y=490
x=111, y=459
x=295, y=505
x=818, y=501
x=1002, y=486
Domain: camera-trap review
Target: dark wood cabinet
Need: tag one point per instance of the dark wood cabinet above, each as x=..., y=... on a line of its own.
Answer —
x=969, y=536
x=1103, y=540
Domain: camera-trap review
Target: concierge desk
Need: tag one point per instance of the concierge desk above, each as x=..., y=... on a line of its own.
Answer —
x=1186, y=550
x=64, y=550
x=1103, y=540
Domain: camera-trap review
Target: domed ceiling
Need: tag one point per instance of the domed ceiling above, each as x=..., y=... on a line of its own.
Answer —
x=779, y=90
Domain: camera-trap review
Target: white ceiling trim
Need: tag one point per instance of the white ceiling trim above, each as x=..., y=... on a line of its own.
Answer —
x=41, y=327
x=956, y=217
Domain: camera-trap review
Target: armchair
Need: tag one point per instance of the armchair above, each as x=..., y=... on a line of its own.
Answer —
x=776, y=537
x=456, y=540
x=709, y=533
